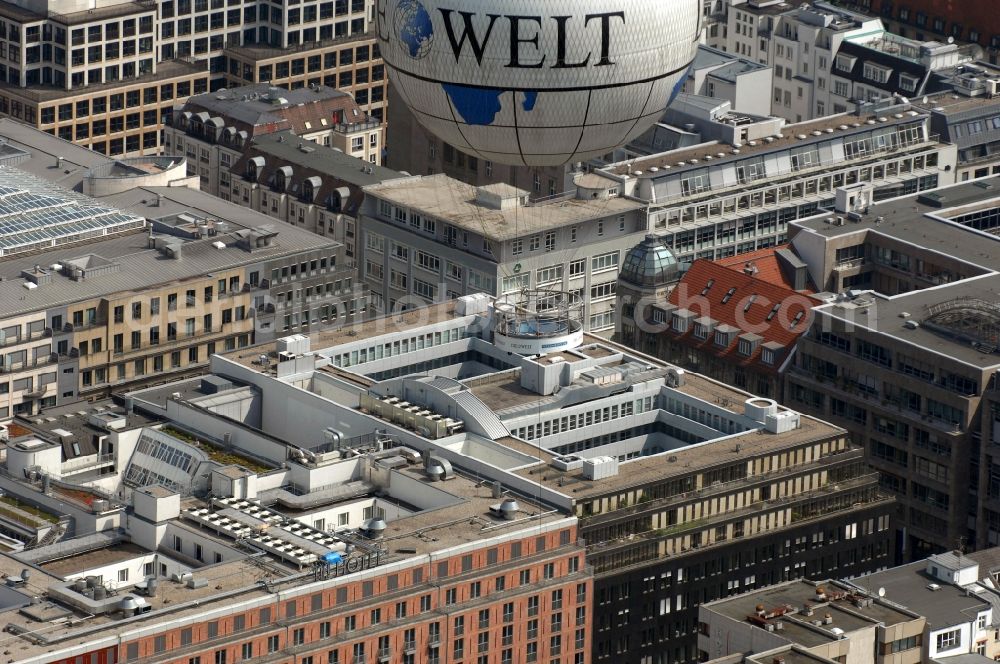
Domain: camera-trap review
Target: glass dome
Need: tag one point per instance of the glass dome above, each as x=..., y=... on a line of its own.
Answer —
x=650, y=264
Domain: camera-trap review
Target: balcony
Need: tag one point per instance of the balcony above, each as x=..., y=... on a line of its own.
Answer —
x=384, y=654
x=84, y=464
x=50, y=358
x=854, y=493
x=844, y=266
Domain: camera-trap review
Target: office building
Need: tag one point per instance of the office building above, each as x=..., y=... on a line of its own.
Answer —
x=956, y=594
x=967, y=114
x=904, y=358
x=141, y=275
x=713, y=19
x=431, y=238
x=348, y=61
x=317, y=188
x=942, y=609
x=827, y=58
x=727, y=76
x=718, y=200
x=261, y=551
x=827, y=619
x=216, y=130
x=107, y=77
x=932, y=19
x=686, y=490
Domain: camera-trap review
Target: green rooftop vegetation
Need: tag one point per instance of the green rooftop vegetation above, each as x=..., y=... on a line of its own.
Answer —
x=24, y=507
x=216, y=453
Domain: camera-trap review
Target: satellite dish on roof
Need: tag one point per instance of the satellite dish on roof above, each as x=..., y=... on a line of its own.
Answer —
x=881, y=592
x=951, y=40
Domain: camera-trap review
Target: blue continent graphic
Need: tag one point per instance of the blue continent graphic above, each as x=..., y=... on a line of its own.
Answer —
x=479, y=106
x=415, y=27
x=678, y=86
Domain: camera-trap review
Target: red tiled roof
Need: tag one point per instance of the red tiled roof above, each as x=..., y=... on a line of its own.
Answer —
x=749, y=301
x=766, y=262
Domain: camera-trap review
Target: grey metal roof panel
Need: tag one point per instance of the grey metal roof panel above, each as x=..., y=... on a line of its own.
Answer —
x=142, y=267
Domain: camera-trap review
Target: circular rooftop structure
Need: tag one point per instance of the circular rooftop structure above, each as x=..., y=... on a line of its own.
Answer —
x=650, y=264
x=533, y=322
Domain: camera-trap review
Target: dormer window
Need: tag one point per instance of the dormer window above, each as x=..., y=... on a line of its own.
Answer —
x=845, y=63
x=745, y=347
x=700, y=331
x=877, y=73
x=767, y=356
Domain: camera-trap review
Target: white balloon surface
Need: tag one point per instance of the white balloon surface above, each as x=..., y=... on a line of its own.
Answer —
x=537, y=82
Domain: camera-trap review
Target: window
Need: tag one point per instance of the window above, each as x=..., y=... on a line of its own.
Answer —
x=549, y=274
x=603, y=291
x=876, y=73
x=948, y=640
x=603, y=262
x=578, y=268
x=428, y=261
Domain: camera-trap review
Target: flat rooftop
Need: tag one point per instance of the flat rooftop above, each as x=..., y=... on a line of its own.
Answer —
x=952, y=103
x=81, y=562
x=231, y=576
x=688, y=459
x=141, y=267
x=328, y=338
x=455, y=202
x=467, y=519
x=924, y=220
x=846, y=614
x=712, y=154
x=908, y=585
x=886, y=317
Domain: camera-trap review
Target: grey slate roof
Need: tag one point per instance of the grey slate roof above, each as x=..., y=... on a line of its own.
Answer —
x=283, y=145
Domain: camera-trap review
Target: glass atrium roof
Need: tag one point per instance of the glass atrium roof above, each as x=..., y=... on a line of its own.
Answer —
x=35, y=214
x=649, y=263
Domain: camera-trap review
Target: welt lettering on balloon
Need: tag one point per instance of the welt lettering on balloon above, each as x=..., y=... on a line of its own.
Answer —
x=525, y=37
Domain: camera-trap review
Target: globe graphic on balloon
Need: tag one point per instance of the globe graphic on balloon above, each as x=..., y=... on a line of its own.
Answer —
x=538, y=83
x=414, y=27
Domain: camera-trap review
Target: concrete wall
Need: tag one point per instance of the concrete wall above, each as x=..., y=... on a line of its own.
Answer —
x=170, y=177
x=216, y=427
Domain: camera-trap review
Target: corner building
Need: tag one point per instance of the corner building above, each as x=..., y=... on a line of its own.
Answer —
x=686, y=490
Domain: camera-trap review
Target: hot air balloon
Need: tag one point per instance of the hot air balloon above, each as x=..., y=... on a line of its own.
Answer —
x=537, y=82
